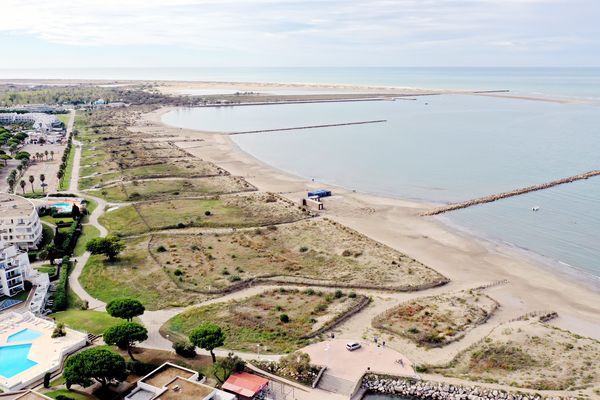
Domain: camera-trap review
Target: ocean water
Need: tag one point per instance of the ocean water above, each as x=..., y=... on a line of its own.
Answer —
x=568, y=82
x=444, y=149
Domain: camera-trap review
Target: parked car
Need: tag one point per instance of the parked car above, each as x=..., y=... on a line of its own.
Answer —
x=351, y=346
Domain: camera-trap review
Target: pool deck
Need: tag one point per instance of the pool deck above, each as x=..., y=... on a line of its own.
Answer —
x=47, y=352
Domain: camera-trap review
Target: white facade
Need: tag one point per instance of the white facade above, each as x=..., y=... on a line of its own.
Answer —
x=14, y=269
x=19, y=222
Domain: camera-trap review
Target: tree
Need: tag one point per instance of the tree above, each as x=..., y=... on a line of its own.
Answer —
x=23, y=184
x=5, y=157
x=31, y=180
x=59, y=175
x=75, y=212
x=97, y=364
x=224, y=367
x=42, y=179
x=125, y=308
x=46, y=154
x=52, y=154
x=110, y=246
x=208, y=336
x=125, y=335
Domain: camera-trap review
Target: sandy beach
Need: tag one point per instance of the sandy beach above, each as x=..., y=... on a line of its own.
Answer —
x=467, y=260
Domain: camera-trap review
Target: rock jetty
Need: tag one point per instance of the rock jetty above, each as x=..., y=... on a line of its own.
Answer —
x=516, y=192
x=425, y=390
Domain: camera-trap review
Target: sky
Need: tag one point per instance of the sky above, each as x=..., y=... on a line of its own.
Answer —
x=233, y=33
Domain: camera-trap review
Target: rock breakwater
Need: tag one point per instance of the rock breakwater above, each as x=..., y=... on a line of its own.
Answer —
x=425, y=390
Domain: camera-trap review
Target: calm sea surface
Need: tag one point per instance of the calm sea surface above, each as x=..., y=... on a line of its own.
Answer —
x=444, y=149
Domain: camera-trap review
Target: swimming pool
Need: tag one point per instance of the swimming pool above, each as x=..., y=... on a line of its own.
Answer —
x=64, y=207
x=13, y=360
x=26, y=335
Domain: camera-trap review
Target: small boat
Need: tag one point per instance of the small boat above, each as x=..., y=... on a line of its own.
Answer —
x=535, y=208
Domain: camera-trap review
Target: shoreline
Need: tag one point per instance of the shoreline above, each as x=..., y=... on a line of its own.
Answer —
x=466, y=260
x=560, y=268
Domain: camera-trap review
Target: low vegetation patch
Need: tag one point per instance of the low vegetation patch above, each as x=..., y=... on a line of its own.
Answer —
x=135, y=274
x=172, y=188
x=530, y=355
x=309, y=252
x=227, y=211
x=256, y=320
x=437, y=320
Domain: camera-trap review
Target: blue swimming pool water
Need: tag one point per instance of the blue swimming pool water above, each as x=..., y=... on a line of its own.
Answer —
x=13, y=360
x=26, y=335
x=62, y=205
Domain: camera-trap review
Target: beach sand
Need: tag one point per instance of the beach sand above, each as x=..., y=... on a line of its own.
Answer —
x=467, y=260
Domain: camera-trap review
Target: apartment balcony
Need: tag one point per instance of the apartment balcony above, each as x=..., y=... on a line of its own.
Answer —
x=14, y=282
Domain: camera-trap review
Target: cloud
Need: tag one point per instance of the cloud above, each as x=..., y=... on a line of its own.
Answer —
x=268, y=27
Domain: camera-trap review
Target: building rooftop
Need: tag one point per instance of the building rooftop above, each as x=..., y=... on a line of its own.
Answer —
x=180, y=388
x=15, y=206
x=245, y=384
x=165, y=374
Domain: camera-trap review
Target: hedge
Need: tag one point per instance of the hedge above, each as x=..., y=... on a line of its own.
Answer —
x=61, y=297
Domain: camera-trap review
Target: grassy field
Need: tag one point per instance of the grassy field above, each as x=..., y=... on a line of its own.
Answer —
x=89, y=321
x=88, y=232
x=172, y=188
x=92, y=181
x=187, y=168
x=135, y=274
x=291, y=253
x=227, y=211
x=531, y=355
x=258, y=319
x=437, y=320
x=51, y=220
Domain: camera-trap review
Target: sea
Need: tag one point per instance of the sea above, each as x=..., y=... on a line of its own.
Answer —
x=437, y=149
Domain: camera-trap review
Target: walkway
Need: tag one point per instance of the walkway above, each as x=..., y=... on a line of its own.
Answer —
x=79, y=262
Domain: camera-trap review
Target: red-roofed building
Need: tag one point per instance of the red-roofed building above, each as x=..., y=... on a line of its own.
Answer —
x=245, y=385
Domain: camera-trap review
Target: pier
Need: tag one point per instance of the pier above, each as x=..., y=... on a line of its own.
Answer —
x=516, y=192
x=377, y=121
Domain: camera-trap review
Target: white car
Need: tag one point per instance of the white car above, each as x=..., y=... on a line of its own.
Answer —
x=351, y=346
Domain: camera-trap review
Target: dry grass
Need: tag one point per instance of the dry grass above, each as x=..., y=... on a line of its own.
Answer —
x=314, y=252
x=531, y=355
x=172, y=188
x=135, y=274
x=257, y=319
x=228, y=211
x=437, y=320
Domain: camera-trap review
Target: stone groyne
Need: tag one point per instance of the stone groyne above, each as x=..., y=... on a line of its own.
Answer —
x=516, y=192
x=377, y=121
x=425, y=390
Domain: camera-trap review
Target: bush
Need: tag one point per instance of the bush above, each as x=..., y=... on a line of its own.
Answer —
x=234, y=278
x=338, y=294
x=181, y=225
x=161, y=249
x=178, y=272
x=185, y=349
x=284, y=318
x=140, y=368
x=207, y=213
x=303, y=249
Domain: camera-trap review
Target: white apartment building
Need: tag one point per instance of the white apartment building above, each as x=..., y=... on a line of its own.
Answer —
x=19, y=222
x=14, y=269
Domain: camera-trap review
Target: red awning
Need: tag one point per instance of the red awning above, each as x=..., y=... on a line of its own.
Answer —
x=245, y=384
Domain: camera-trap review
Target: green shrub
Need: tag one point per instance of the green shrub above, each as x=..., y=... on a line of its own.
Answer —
x=161, y=249
x=284, y=318
x=185, y=349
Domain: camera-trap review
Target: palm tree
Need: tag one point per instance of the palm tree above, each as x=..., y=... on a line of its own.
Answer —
x=31, y=180
x=46, y=153
x=42, y=179
x=11, y=181
x=52, y=154
x=23, y=183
